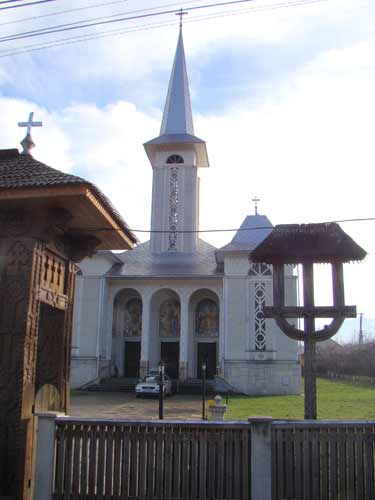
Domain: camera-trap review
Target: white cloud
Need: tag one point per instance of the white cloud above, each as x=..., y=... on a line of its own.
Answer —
x=304, y=146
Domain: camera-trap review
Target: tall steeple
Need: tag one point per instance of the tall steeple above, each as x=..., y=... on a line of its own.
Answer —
x=177, y=124
x=177, y=117
x=175, y=156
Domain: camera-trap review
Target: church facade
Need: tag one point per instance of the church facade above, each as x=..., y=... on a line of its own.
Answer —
x=176, y=298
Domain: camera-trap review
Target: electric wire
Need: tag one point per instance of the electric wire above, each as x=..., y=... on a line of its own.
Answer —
x=117, y=32
x=102, y=18
x=89, y=24
x=25, y=4
x=68, y=11
x=227, y=230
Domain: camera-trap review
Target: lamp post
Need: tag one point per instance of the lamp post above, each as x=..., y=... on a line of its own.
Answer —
x=204, y=367
x=161, y=390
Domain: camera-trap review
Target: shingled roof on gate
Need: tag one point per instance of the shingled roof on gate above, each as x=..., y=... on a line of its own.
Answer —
x=22, y=171
x=298, y=243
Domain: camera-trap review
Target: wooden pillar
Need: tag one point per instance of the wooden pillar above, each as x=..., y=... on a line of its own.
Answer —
x=309, y=343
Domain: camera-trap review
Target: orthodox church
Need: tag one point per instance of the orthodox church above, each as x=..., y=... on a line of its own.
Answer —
x=176, y=298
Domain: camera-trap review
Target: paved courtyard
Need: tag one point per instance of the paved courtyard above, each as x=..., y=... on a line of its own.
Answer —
x=126, y=405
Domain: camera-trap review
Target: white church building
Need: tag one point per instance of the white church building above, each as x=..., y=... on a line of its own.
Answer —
x=176, y=298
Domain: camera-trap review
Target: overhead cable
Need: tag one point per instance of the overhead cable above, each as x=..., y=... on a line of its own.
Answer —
x=25, y=4
x=142, y=27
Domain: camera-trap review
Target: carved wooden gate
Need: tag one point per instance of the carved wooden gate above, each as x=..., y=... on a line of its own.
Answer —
x=36, y=292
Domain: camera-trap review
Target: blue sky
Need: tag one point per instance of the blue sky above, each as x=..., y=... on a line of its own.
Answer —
x=284, y=98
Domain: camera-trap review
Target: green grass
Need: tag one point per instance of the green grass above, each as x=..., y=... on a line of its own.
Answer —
x=336, y=401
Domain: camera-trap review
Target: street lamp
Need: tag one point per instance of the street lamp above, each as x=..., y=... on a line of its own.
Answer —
x=161, y=390
x=204, y=367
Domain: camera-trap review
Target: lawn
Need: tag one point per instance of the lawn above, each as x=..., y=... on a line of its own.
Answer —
x=336, y=401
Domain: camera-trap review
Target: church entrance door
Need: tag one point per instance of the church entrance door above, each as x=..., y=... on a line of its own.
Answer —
x=206, y=351
x=170, y=355
x=132, y=359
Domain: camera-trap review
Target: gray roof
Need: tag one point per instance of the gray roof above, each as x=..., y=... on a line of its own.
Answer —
x=177, y=124
x=19, y=171
x=177, y=117
x=253, y=230
x=141, y=262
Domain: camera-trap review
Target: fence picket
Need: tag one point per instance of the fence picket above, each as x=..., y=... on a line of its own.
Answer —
x=369, y=464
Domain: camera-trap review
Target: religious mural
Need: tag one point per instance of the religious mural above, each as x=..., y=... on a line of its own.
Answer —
x=207, y=318
x=169, y=319
x=133, y=318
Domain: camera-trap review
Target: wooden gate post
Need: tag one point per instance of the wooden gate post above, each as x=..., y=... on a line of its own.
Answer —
x=261, y=465
x=308, y=244
x=44, y=459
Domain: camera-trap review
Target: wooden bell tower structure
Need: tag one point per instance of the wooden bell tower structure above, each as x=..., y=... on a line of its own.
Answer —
x=49, y=220
x=308, y=244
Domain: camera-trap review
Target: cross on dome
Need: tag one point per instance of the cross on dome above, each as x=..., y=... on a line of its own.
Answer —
x=27, y=143
x=255, y=200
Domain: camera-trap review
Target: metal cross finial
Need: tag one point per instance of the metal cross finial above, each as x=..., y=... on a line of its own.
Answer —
x=255, y=200
x=180, y=14
x=27, y=143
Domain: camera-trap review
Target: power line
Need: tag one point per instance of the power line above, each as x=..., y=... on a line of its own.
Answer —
x=228, y=230
x=89, y=24
x=50, y=28
x=121, y=31
x=25, y=4
x=32, y=18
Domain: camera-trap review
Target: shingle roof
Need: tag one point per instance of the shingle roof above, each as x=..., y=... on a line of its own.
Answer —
x=141, y=262
x=21, y=170
x=294, y=243
x=18, y=171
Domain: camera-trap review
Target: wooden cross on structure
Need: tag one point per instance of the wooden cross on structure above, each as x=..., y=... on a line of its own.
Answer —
x=27, y=143
x=180, y=14
x=255, y=200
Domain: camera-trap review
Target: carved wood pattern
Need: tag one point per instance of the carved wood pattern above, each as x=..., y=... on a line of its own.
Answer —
x=26, y=365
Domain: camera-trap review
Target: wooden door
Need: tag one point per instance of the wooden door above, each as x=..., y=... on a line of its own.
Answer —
x=132, y=359
x=206, y=352
x=170, y=355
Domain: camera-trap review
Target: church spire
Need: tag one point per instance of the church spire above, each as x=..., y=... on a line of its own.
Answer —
x=177, y=117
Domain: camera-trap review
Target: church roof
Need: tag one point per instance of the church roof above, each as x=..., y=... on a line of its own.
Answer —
x=19, y=172
x=141, y=262
x=177, y=123
x=253, y=230
x=298, y=243
x=177, y=117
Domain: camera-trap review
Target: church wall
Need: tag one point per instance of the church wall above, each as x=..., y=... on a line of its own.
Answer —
x=236, y=307
x=257, y=378
x=86, y=340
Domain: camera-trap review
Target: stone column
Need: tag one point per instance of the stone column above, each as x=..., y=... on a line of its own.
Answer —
x=261, y=483
x=43, y=485
x=184, y=337
x=221, y=342
x=145, y=339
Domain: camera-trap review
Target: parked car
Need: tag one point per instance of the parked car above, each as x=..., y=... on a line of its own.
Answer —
x=150, y=385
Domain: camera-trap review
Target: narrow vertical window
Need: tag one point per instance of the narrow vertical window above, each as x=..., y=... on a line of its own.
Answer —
x=173, y=209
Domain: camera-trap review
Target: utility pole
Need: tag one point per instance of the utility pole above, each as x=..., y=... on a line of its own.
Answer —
x=360, y=340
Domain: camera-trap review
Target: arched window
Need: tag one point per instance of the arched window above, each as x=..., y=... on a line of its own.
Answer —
x=207, y=318
x=169, y=318
x=175, y=159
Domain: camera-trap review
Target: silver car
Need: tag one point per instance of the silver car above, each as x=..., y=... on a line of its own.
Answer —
x=150, y=385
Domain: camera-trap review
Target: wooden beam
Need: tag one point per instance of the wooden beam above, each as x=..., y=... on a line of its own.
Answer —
x=304, y=312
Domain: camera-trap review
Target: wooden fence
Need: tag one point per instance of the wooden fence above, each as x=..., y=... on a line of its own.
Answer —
x=323, y=460
x=113, y=459
x=262, y=459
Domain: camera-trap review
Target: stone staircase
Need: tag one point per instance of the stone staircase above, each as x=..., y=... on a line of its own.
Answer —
x=113, y=384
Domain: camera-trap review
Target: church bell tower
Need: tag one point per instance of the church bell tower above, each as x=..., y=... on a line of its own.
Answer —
x=175, y=156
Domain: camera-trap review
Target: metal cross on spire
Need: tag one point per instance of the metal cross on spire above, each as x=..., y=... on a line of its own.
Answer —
x=255, y=200
x=180, y=14
x=27, y=143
